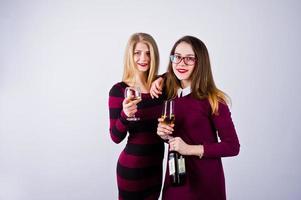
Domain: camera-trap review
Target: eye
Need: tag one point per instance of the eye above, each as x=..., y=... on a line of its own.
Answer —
x=177, y=57
x=137, y=53
x=190, y=58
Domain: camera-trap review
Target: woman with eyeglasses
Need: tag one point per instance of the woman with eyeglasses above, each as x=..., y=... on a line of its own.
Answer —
x=139, y=167
x=201, y=117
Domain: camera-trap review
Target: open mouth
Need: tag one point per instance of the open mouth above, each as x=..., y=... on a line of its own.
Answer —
x=142, y=64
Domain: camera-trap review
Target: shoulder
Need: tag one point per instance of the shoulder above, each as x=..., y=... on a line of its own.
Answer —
x=117, y=90
x=203, y=102
x=205, y=105
x=191, y=104
x=222, y=106
x=223, y=110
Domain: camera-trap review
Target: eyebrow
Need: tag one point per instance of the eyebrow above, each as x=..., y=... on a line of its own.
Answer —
x=190, y=55
x=141, y=51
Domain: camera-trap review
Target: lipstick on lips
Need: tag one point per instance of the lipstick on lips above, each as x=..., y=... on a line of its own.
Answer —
x=142, y=64
x=182, y=71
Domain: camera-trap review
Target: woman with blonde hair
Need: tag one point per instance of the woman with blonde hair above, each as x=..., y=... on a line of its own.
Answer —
x=201, y=117
x=139, y=167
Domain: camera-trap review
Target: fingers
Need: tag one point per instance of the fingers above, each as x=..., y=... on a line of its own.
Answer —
x=164, y=130
x=130, y=111
x=158, y=85
x=127, y=102
x=151, y=92
x=177, y=144
x=166, y=137
x=174, y=144
x=156, y=88
x=136, y=101
x=160, y=119
x=154, y=92
x=173, y=147
x=130, y=107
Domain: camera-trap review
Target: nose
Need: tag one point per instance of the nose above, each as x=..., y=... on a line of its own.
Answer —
x=182, y=63
x=143, y=56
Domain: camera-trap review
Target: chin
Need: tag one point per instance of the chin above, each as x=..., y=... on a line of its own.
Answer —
x=181, y=78
x=143, y=69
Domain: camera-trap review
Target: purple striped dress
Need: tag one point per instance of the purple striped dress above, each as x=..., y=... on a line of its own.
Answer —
x=139, y=167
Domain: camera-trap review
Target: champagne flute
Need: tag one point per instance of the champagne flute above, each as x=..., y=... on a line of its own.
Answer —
x=168, y=115
x=133, y=93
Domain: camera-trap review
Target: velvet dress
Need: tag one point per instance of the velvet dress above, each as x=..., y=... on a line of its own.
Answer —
x=195, y=124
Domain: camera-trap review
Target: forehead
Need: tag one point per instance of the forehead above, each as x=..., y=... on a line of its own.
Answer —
x=184, y=48
x=141, y=46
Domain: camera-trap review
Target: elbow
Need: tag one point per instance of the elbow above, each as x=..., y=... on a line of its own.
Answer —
x=116, y=135
x=232, y=149
x=115, y=139
x=235, y=149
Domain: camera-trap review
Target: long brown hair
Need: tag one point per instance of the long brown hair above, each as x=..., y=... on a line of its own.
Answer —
x=129, y=64
x=202, y=82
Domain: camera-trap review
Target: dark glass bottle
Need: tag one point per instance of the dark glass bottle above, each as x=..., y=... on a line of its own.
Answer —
x=177, y=170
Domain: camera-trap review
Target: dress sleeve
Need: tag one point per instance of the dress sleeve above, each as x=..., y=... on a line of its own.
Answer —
x=229, y=143
x=118, y=121
x=161, y=76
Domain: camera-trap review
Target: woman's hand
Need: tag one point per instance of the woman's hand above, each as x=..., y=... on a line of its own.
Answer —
x=129, y=106
x=177, y=144
x=156, y=87
x=164, y=130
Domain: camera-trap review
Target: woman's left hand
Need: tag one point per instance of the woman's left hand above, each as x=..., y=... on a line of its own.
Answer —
x=156, y=87
x=177, y=144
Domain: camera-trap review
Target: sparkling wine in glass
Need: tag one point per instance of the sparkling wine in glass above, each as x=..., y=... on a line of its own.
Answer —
x=133, y=93
x=168, y=115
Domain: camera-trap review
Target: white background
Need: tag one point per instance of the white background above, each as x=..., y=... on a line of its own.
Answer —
x=58, y=60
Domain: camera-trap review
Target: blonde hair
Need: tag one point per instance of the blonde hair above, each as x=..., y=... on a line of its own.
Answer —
x=129, y=64
x=202, y=82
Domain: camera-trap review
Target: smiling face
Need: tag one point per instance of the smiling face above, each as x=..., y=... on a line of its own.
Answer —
x=142, y=57
x=181, y=69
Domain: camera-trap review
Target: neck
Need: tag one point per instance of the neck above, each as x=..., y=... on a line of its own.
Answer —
x=185, y=83
x=140, y=81
x=140, y=78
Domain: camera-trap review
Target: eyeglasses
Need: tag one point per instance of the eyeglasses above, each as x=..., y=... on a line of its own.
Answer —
x=187, y=60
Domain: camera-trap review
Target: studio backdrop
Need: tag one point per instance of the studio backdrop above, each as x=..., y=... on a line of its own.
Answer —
x=59, y=59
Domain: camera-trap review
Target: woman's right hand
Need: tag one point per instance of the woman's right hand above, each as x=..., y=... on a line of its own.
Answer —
x=156, y=87
x=129, y=106
x=164, y=130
